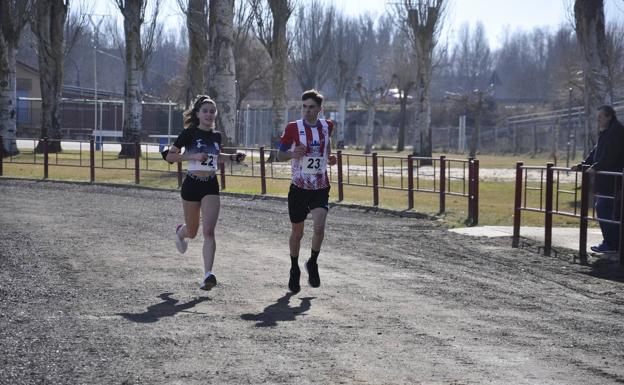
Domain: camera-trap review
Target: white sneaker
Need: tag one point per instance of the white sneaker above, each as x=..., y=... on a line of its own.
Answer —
x=180, y=243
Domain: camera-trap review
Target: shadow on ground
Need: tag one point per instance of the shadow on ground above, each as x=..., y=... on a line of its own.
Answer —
x=607, y=267
x=280, y=311
x=168, y=308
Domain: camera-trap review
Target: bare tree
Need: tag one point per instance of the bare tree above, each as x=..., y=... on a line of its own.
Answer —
x=253, y=63
x=196, y=12
x=370, y=97
x=615, y=57
x=403, y=64
x=48, y=23
x=136, y=60
x=221, y=67
x=590, y=32
x=276, y=43
x=423, y=20
x=312, y=44
x=14, y=15
x=473, y=102
x=522, y=63
x=348, y=51
x=472, y=60
x=564, y=71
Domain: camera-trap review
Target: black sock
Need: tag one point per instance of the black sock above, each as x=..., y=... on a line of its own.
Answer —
x=294, y=262
x=314, y=255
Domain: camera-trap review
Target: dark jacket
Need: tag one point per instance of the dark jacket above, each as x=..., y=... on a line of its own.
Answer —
x=608, y=155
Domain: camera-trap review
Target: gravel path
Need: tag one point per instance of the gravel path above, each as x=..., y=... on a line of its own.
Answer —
x=92, y=291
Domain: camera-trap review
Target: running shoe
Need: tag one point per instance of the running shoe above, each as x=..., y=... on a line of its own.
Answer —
x=603, y=248
x=209, y=282
x=313, y=275
x=293, y=282
x=180, y=243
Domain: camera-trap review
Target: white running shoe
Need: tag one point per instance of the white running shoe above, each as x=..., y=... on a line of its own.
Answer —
x=181, y=244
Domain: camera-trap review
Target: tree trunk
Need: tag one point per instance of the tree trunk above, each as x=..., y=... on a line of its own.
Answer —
x=476, y=132
x=555, y=147
x=402, y=122
x=197, y=27
x=133, y=95
x=222, y=87
x=590, y=32
x=370, y=129
x=424, y=20
x=49, y=30
x=8, y=96
x=422, y=133
x=340, y=122
x=281, y=13
x=13, y=16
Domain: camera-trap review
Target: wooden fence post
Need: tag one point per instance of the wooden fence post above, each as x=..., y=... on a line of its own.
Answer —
x=548, y=209
x=584, y=213
x=375, y=181
x=442, y=184
x=262, y=172
x=137, y=163
x=92, y=160
x=340, y=181
x=517, y=205
x=410, y=182
x=1, y=153
x=179, y=172
x=45, y=158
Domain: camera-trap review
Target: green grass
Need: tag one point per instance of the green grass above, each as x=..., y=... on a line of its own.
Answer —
x=496, y=198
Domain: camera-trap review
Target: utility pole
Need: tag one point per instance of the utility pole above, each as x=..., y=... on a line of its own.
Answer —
x=570, y=134
x=96, y=29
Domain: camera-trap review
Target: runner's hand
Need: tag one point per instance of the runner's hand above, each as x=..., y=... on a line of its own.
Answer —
x=332, y=160
x=299, y=151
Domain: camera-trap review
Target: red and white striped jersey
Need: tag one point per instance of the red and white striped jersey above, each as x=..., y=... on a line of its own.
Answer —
x=309, y=172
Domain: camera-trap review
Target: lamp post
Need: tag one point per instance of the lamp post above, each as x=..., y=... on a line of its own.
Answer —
x=96, y=29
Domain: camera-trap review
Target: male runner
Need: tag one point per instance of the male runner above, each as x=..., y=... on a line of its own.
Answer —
x=306, y=143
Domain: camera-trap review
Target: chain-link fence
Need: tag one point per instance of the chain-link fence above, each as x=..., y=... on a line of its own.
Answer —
x=80, y=117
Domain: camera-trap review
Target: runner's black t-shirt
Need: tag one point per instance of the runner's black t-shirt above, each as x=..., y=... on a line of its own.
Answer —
x=195, y=140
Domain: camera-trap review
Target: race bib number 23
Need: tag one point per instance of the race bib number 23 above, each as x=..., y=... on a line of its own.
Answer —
x=313, y=164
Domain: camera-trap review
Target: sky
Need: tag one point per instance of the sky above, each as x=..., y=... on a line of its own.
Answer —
x=497, y=16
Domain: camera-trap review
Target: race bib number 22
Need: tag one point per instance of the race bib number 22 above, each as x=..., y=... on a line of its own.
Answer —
x=210, y=164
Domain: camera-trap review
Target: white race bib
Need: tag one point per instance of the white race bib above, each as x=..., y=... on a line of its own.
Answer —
x=313, y=165
x=210, y=164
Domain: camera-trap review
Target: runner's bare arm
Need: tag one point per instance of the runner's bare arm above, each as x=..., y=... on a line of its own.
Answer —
x=331, y=159
x=238, y=157
x=297, y=153
x=174, y=155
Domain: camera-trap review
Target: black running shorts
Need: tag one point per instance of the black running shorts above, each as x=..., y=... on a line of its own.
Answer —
x=194, y=188
x=302, y=201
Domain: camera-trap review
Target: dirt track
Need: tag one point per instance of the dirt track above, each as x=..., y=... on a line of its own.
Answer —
x=92, y=291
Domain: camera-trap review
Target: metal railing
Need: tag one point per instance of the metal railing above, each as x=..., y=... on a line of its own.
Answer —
x=441, y=176
x=548, y=202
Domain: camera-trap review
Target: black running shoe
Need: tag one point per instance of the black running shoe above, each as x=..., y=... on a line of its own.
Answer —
x=209, y=282
x=313, y=275
x=293, y=282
